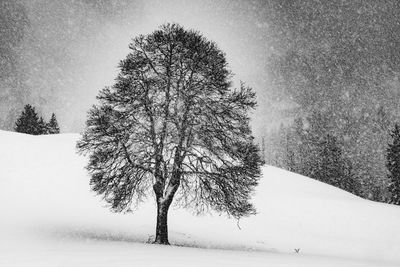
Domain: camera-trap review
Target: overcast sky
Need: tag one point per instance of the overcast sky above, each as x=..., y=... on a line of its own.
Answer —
x=80, y=43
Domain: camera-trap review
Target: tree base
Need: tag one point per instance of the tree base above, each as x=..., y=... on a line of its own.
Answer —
x=159, y=242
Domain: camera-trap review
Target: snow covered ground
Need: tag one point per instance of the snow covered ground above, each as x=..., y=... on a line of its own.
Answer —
x=49, y=217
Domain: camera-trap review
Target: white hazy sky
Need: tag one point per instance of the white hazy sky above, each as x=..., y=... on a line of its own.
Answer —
x=238, y=27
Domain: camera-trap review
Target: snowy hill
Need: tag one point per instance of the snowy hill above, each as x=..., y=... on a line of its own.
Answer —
x=49, y=217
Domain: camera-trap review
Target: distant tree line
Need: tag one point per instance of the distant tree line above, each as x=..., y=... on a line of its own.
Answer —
x=312, y=147
x=305, y=147
x=30, y=122
x=342, y=83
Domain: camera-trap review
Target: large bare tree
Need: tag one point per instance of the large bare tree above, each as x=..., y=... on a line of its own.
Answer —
x=173, y=123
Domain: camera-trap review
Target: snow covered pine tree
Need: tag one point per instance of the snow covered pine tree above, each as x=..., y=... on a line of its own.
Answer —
x=52, y=125
x=28, y=122
x=172, y=122
x=393, y=165
x=43, y=126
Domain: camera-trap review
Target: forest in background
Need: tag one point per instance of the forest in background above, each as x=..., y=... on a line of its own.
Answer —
x=337, y=65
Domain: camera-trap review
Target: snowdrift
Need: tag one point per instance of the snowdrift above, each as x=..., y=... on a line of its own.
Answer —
x=46, y=202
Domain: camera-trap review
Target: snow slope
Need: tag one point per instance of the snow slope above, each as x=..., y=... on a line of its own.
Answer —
x=49, y=217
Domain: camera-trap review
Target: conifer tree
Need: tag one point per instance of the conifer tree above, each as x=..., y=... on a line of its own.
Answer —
x=42, y=126
x=172, y=122
x=52, y=126
x=393, y=165
x=28, y=122
x=332, y=166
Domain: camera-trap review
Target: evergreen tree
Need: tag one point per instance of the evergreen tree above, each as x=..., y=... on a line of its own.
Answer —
x=311, y=151
x=42, y=126
x=289, y=161
x=393, y=165
x=301, y=146
x=332, y=167
x=52, y=126
x=173, y=123
x=329, y=164
x=28, y=122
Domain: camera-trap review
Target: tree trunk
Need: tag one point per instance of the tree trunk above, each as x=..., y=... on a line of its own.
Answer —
x=163, y=204
x=162, y=226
